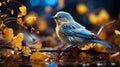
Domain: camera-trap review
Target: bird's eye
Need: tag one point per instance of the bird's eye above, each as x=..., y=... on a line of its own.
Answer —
x=59, y=16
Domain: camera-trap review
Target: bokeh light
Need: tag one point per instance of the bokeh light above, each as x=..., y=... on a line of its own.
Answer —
x=34, y=2
x=8, y=1
x=81, y=8
x=51, y=2
x=30, y=18
x=41, y=24
x=0, y=4
x=93, y=18
x=103, y=16
x=48, y=9
x=61, y=3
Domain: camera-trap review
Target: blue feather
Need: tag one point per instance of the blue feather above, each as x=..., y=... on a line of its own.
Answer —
x=101, y=42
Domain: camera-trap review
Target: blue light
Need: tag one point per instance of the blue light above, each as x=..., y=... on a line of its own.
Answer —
x=34, y=2
x=52, y=65
x=51, y=2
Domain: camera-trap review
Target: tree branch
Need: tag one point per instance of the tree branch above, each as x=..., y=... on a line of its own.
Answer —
x=91, y=51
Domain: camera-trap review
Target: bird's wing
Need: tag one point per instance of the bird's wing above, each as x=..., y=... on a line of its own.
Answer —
x=77, y=30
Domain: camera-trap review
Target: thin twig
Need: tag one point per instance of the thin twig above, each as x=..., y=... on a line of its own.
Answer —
x=6, y=47
x=101, y=28
x=87, y=51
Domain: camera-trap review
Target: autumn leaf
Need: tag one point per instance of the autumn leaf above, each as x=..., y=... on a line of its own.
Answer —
x=38, y=56
x=12, y=11
x=8, y=33
x=100, y=48
x=23, y=10
x=115, y=57
x=117, y=32
x=87, y=47
x=38, y=45
x=19, y=15
x=26, y=50
x=17, y=41
x=7, y=53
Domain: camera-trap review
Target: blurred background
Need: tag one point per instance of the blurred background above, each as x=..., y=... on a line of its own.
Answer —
x=88, y=13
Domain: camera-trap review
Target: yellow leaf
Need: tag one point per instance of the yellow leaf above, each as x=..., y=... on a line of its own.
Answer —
x=23, y=10
x=81, y=8
x=12, y=12
x=19, y=15
x=26, y=50
x=100, y=48
x=8, y=33
x=87, y=47
x=38, y=45
x=19, y=37
x=117, y=32
x=38, y=56
x=17, y=41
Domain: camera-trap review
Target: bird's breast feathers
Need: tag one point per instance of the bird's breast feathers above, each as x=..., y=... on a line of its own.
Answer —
x=60, y=34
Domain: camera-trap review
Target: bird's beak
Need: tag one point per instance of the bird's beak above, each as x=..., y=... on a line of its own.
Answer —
x=54, y=17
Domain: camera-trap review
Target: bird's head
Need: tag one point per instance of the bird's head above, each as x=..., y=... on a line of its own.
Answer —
x=62, y=17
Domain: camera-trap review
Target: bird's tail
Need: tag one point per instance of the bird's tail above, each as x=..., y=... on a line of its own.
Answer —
x=101, y=42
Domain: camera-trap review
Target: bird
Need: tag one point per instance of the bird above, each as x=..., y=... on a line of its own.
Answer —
x=70, y=31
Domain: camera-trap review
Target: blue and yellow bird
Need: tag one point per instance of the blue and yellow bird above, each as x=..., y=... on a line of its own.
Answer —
x=68, y=30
